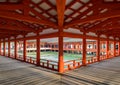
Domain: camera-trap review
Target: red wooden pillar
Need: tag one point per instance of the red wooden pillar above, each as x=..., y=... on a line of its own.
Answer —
x=114, y=48
x=98, y=48
x=60, y=60
x=24, y=49
x=38, y=50
x=0, y=46
x=107, y=48
x=4, y=47
x=119, y=48
x=84, y=50
x=15, y=54
x=8, y=47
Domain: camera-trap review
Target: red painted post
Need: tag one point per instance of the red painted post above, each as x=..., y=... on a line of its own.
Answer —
x=114, y=47
x=15, y=54
x=84, y=50
x=0, y=46
x=60, y=60
x=4, y=47
x=24, y=49
x=8, y=47
x=119, y=48
x=107, y=48
x=38, y=49
x=98, y=48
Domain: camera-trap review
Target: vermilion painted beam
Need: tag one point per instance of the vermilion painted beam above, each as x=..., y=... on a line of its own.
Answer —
x=26, y=18
x=108, y=27
x=110, y=14
x=6, y=31
x=11, y=27
x=60, y=11
x=11, y=6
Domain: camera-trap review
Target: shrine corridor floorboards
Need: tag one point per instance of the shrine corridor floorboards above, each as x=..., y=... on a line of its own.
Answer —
x=14, y=72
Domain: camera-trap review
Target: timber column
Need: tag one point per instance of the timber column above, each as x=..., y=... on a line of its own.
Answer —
x=38, y=49
x=8, y=47
x=114, y=47
x=24, y=49
x=0, y=46
x=60, y=60
x=119, y=48
x=15, y=54
x=98, y=48
x=4, y=47
x=107, y=48
x=84, y=49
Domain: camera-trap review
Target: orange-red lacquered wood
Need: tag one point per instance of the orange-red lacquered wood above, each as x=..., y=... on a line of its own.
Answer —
x=8, y=47
x=114, y=48
x=15, y=52
x=24, y=49
x=107, y=48
x=98, y=48
x=38, y=50
x=4, y=48
x=84, y=50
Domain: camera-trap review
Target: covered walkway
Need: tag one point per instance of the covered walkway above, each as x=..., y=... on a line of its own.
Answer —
x=14, y=72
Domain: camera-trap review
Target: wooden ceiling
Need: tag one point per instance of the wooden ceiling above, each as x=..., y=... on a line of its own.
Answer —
x=24, y=16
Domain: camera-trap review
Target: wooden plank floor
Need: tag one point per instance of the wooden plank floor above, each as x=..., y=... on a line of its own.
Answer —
x=13, y=72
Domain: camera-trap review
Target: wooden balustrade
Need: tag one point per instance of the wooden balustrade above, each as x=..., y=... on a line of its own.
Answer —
x=72, y=64
x=31, y=60
x=91, y=60
x=50, y=64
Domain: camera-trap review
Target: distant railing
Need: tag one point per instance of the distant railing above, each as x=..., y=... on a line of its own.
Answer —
x=12, y=55
x=91, y=60
x=20, y=57
x=50, y=64
x=72, y=64
x=103, y=57
x=31, y=60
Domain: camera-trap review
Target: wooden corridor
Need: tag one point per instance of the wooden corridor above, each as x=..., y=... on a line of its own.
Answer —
x=13, y=72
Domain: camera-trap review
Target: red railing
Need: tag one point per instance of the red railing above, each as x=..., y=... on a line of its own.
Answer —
x=103, y=57
x=31, y=60
x=91, y=60
x=12, y=55
x=50, y=64
x=20, y=57
x=72, y=64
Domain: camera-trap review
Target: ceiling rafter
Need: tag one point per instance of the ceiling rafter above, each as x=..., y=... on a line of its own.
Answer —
x=26, y=18
x=11, y=6
x=110, y=14
x=14, y=25
x=60, y=11
x=99, y=26
x=3, y=31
